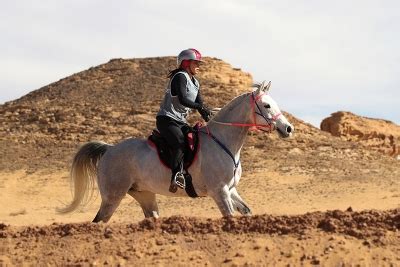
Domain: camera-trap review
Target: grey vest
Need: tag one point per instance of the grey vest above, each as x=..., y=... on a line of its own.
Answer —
x=171, y=106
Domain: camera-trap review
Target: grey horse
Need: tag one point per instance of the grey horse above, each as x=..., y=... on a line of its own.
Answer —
x=133, y=166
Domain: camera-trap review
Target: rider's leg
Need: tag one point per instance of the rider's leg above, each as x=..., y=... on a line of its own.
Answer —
x=172, y=131
x=177, y=167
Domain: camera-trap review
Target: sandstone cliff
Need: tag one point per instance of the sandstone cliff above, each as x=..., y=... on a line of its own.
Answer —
x=377, y=134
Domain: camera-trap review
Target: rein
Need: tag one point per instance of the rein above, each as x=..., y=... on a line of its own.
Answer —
x=224, y=148
x=255, y=126
x=253, y=104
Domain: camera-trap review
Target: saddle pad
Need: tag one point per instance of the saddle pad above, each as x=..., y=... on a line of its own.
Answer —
x=164, y=152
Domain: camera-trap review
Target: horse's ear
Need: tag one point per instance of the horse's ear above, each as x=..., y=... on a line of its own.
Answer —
x=258, y=90
x=262, y=87
x=267, y=86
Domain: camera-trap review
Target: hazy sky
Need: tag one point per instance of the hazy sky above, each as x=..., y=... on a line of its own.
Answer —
x=322, y=56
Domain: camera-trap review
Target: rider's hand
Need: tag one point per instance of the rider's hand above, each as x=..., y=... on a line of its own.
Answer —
x=205, y=113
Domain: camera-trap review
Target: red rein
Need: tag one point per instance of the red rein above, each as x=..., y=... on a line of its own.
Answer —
x=254, y=126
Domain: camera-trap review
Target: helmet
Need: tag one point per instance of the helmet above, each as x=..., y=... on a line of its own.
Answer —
x=188, y=54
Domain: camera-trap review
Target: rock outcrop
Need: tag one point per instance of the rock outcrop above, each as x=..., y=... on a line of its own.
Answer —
x=380, y=135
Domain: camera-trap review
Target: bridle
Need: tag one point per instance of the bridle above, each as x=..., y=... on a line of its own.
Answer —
x=269, y=127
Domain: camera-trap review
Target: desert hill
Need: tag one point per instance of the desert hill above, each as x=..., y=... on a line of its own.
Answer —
x=311, y=172
x=377, y=134
x=110, y=102
x=119, y=99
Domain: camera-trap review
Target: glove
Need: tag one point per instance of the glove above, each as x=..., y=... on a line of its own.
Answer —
x=205, y=113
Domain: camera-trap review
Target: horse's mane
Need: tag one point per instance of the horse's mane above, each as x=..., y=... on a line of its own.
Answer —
x=237, y=100
x=231, y=105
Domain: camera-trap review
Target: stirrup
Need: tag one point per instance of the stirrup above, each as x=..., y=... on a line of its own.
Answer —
x=179, y=180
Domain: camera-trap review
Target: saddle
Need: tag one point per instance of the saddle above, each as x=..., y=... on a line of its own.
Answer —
x=191, y=147
x=164, y=152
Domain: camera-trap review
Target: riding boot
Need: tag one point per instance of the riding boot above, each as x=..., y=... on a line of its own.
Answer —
x=173, y=187
x=177, y=178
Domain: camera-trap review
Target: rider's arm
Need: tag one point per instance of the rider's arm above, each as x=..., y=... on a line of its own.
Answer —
x=178, y=87
x=199, y=100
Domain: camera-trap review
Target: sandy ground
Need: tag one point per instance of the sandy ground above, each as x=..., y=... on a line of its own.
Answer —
x=31, y=199
x=224, y=249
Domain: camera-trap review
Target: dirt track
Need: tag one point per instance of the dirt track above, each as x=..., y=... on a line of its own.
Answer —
x=327, y=238
x=336, y=237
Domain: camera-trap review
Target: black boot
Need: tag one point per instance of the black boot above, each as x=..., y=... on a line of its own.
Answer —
x=173, y=186
x=177, y=180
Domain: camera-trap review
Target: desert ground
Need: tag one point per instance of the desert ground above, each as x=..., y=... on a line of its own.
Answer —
x=289, y=225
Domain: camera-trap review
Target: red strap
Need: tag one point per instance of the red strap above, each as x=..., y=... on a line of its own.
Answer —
x=253, y=126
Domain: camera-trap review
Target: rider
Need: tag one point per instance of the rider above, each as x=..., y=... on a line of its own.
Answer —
x=182, y=95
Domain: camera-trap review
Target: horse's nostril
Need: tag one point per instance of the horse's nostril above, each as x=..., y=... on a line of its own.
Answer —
x=288, y=129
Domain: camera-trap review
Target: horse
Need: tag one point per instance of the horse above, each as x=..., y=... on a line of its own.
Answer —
x=133, y=167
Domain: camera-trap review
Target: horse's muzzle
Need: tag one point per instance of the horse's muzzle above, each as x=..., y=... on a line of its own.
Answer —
x=285, y=130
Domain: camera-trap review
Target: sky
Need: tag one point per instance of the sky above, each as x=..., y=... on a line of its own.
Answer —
x=321, y=56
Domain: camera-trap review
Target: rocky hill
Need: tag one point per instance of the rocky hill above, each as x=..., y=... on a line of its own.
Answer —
x=377, y=134
x=111, y=102
x=119, y=99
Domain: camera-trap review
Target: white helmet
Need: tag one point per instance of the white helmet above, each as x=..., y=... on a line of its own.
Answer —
x=188, y=54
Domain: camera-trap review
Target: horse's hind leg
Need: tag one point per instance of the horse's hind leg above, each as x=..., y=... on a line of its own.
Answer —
x=107, y=209
x=147, y=201
x=238, y=203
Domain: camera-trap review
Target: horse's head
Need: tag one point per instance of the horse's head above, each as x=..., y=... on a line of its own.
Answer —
x=267, y=111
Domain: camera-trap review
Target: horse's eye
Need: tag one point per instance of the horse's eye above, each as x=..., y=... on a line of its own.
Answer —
x=267, y=106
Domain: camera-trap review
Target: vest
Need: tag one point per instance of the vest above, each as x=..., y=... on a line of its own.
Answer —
x=171, y=106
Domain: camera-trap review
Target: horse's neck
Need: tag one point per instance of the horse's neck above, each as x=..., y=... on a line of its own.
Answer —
x=232, y=137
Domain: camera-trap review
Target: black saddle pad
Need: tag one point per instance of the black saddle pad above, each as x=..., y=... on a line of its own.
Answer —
x=164, y=151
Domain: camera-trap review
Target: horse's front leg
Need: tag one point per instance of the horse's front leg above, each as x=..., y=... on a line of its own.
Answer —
x=239, y=203
x=222, y=197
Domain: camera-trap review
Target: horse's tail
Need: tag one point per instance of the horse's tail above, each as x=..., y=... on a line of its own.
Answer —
x=83, y=173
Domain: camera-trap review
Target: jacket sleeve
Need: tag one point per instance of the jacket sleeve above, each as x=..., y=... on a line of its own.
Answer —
x=178, y=88
x=199, y=99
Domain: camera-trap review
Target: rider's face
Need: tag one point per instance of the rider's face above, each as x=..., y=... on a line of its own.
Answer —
x=194, y=67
